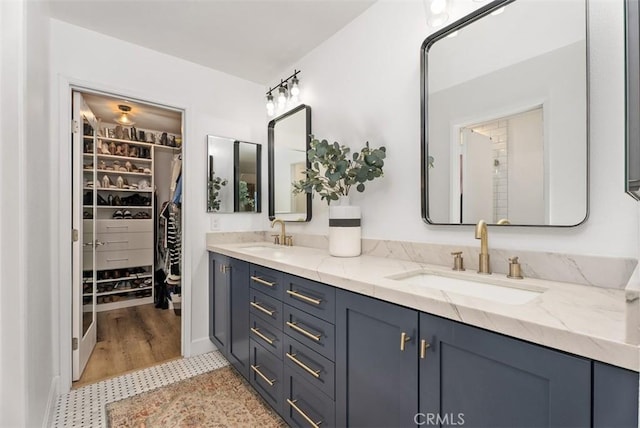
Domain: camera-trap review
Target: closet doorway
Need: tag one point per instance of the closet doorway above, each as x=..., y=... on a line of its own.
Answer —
x=127, y=228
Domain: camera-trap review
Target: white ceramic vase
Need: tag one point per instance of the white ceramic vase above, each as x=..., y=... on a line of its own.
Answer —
x=345, y=233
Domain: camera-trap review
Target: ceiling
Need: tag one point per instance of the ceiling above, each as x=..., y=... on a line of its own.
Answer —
x=251, y=39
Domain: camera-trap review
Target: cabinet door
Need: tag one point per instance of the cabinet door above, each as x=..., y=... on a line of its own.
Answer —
x=219, y=301
x=239, y=317
x=376, y=381
x=615, y=397
x=477, y=378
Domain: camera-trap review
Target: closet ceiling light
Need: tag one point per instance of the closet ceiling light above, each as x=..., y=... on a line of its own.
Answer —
x=123, y=118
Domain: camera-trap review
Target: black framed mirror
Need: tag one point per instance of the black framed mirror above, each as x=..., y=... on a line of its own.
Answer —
x=505, y=116
x=288, y=141
x=632, y=24
x=233, y=175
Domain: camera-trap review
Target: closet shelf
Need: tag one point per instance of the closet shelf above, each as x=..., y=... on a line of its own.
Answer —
x=119, y=207
x=124, y=290
x=115, y=189
x=135, y=143
x=88, y=137
x=168, y=148
x=111, y=171
x=115, y=157
x=122, y=278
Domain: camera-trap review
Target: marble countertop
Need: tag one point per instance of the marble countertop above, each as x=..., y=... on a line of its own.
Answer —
x=583, y=320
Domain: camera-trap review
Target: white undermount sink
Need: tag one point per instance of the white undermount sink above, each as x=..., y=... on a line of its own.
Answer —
x=482, y=289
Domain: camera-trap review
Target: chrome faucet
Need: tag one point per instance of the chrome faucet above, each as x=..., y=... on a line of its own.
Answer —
x=484, y=265
x=282, y=239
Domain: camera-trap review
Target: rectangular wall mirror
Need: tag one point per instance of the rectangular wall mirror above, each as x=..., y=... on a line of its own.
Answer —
x=505, y=116
x=289, y=139
x=633, y=97
x=233, y=175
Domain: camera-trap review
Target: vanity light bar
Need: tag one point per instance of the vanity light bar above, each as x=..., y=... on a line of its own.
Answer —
x=286, y=92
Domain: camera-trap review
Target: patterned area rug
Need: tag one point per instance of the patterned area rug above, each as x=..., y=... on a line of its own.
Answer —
x=220, y=398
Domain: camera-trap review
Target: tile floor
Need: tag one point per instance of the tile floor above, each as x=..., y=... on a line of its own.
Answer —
x=85, y=407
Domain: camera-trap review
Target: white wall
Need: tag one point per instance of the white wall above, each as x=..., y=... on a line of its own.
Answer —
x=26, y=348
x=364, y=84
x=215, y=103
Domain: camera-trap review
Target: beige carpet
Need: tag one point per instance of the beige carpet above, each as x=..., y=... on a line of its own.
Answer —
x=220, y=398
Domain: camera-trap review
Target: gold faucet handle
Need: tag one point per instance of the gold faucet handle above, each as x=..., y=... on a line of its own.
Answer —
x=276, y=239
x=288, y=240
x=458, y=262
x=515, y=271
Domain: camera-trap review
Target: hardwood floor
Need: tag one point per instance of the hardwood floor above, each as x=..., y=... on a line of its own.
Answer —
x=131, y=339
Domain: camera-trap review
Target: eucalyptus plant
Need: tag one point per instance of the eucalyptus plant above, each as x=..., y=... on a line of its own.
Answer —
x=333, y=171
x=213, y=186
x=243, y=195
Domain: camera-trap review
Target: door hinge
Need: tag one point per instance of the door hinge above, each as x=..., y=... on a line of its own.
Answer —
x=74, y=235
x=74, y=344
x=75, y=126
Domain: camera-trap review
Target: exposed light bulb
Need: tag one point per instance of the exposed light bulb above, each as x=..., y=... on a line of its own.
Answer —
x=270, y=105
x=438, y=6
x=282, y=96
x=438, y=21
x=295, y=89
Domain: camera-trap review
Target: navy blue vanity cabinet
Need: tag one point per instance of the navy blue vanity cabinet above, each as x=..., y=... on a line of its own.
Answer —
x=485, y=379
x=376, y=362
x=229, y=309
x=219, y=279
x=615, y=397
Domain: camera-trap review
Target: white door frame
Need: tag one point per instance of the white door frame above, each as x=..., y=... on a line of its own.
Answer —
x=60, y=192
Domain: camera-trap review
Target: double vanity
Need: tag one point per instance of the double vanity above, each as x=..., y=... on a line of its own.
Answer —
x=372, y=341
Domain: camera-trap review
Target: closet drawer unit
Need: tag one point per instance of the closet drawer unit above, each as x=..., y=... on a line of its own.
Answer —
x=266, y=334
x=124, y=241
x=305, y=405
x=310, y=296
x=267, y=280
x=265, y=375
x=265, y=307
x=123, y=259
x=317, y=334
x=123, y=226
x=309, y=365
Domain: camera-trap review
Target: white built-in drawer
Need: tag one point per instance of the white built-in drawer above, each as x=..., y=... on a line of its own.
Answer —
x=124, y=241
x=120, y=259
x=122, y=226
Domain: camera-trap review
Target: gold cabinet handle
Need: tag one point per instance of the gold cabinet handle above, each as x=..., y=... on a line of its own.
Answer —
x=404, y=338
x=261, y=336
x=294, y=326
x=262, y=309
x=423, y=348
x=303, y=297
x=314, y=373
x=224, y=268
x=262, y=281
x=292, y=403
x=271, y=382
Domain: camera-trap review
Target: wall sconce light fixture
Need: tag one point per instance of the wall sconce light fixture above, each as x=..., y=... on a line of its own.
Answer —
x=287, y=92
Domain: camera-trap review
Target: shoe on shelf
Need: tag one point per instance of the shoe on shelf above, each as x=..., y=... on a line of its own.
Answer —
x=118, y=214
x=127, y=214
x=87, y=215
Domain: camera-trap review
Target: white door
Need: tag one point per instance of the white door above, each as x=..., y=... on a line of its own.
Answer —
x=477, y=178
x=84, y=277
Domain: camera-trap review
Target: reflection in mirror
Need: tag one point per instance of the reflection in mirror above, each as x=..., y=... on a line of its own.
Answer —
x=289, y=138
x=233, y=175
x=505, y=116
x=632, y=11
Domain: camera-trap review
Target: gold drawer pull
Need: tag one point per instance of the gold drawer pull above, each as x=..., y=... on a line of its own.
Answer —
x=261, y=336
x=314, y=373
x=403, y=339
x=294, y=326
x=262, y=309
x=262, y=281
x=423, y=348
x=303, y=297
x=271, y=382
x=292, y=403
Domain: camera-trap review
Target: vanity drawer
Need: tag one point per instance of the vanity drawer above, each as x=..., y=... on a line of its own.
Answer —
x=266, y=376
x=267, y=280
x=265, y=307
x=266, y=334
x=120, y=259
x=309, y=365
x=122, y=225
x=317, y=334
x=310, y=296
x=305, y=405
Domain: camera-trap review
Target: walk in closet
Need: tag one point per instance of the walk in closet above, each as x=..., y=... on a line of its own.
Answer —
x=127, y=186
